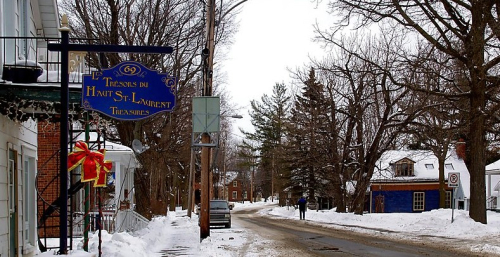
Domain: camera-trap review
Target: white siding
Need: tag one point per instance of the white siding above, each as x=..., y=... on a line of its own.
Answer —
x=14, y=13
x=18, y=136
x=4, y=205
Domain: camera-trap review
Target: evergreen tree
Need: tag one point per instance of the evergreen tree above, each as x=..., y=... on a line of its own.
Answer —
x=309, y=129
x=269, y=117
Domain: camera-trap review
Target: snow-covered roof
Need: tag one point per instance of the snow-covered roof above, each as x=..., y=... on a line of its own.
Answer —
x=493, y=178
x=114, y=152
x=230, y=176
x=493, y=168
x=426, y=167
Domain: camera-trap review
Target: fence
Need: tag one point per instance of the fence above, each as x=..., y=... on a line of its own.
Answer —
x=127, y=220
x=107, y=222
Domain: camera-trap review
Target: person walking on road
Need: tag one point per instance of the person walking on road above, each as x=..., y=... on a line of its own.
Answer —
x=302, y=208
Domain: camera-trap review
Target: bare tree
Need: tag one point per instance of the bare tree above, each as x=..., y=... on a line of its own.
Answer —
x=176, y=23
x=442, y=122
x=372, y=107
x=468, y=33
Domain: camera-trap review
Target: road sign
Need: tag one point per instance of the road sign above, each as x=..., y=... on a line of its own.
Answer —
x=453, y=179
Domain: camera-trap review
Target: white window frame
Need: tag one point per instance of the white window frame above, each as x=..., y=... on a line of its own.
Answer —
x=29, y=198
x=235, y=183
x=234, y=194
x=13, y=198
x=418, y=201
x=26, y=199
x=11, y=174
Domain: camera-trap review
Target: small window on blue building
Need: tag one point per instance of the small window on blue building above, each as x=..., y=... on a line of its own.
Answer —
x=404, y=168
x=449, y=166
x=429, y=166
x=418, y=201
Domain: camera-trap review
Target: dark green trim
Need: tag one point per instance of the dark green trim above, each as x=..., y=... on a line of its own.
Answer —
x=13, y=92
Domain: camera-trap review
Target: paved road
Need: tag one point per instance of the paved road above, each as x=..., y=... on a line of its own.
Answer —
x=303, y=238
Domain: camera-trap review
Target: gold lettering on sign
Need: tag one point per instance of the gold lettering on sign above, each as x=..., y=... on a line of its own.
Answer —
x=150, y=103
x=126, y=92
x=116, y=111
x=91, y=91
x=110, y=83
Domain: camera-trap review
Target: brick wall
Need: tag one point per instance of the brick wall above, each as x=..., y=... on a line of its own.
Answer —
x=48, y=174
x=239, y=188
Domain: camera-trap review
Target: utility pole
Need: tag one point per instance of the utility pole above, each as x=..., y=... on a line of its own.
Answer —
x=191, y=184
x=208, y=64
x=208, y=55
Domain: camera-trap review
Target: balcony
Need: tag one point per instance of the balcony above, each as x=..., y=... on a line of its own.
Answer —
x=30, y=78
x=26, y=60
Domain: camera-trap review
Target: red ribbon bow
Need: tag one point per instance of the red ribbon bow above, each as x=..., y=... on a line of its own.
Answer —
x=93, y=163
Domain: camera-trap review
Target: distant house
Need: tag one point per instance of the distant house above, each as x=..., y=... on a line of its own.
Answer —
x=238, y=187
x=408, y=181
x=493, y=186
x=290, y=195
x=121, y=179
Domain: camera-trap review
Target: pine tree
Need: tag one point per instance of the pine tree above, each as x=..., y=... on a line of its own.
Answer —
x=309, y=130
x=269, y=117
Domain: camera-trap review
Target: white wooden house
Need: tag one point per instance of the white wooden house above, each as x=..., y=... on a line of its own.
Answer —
x=120, y=215
x=18, y=156
x=493, y=186
x=18, y=139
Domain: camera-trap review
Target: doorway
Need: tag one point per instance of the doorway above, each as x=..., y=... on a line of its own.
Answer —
x=13, y=198
x=379, y=204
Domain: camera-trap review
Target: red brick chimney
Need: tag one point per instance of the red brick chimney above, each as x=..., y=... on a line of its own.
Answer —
x=460, y=148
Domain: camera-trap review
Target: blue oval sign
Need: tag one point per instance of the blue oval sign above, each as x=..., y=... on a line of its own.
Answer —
x=128, y=91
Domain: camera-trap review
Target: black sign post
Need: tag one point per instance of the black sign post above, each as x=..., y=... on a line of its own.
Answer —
x=65, y=47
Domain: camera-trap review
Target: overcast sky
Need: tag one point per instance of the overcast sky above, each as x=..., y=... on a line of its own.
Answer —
x=273, y=35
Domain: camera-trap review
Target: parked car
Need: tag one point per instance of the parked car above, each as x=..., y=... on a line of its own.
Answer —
x=220, y=213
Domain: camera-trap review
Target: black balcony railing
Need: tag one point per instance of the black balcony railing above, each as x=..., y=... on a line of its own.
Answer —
x=27, y=60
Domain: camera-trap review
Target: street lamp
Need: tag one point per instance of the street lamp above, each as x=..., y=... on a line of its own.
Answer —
x=236, y=116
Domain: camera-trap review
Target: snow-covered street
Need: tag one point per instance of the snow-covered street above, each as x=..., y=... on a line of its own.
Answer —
x=177, y=234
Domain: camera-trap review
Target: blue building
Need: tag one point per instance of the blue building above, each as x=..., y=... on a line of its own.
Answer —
x=408, y=181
